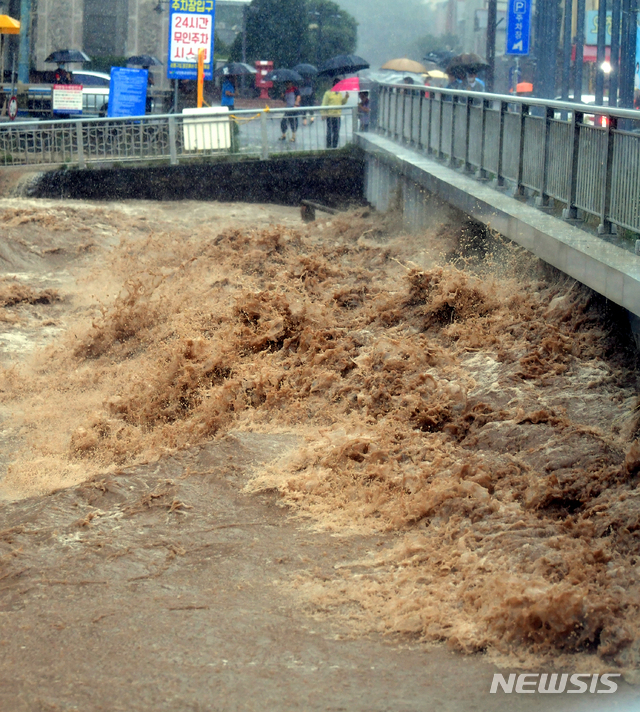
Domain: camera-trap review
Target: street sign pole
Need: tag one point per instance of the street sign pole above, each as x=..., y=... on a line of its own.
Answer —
x=200, y=78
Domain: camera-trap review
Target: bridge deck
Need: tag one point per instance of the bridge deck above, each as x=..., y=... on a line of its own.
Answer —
x=609, y=270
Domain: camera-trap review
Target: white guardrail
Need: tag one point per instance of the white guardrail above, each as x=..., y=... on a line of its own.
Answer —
x=176, y=137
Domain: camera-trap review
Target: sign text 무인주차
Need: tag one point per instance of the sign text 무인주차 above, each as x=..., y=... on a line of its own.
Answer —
x=191, y=27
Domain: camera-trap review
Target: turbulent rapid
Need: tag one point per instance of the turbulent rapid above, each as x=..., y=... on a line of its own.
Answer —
x=450, y=392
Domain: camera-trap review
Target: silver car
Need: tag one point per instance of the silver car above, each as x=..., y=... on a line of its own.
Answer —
x=95, y=92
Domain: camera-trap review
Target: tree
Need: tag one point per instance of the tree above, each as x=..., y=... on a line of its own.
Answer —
x=288, y=32
x=331, y=31
x=429, y=43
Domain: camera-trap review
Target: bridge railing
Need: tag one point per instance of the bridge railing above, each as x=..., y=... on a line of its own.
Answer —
x=173, y=138
x=583, y=156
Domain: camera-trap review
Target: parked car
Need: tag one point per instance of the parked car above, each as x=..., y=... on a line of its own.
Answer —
x=95, y=91
x=589, y=119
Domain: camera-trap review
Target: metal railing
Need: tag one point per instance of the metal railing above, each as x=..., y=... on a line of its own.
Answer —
x=583, y=156
x=173, y=137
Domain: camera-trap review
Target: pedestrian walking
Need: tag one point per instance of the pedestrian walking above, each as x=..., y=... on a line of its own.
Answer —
x=332, y=116
x=307, y=99
x=291, y=99
x=364, y=111
x=473, y=83
x=228, y=97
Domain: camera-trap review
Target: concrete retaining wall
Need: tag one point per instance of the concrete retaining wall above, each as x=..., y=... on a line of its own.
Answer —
x=333, y=180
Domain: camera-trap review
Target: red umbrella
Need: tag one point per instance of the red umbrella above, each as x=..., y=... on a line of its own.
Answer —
x=348, y=84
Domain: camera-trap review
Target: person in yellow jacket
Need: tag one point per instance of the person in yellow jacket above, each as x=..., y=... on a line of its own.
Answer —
x=332, y=116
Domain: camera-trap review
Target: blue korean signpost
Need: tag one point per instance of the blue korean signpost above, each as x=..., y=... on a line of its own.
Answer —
x=191, y=24
x=127, y=92
x=518, y=27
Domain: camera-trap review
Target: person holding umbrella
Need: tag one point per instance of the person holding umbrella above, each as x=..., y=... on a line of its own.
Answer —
x=62, y=76
x=333, y=116
x=307, y=89
x=228, y=96
x=292, y=99
x=228, y=99
x=473, y=83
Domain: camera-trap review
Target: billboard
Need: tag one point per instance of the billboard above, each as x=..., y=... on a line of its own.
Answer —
x=191, y=27
x=127, y=91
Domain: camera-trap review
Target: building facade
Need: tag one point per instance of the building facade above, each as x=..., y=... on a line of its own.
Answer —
x=113, y=28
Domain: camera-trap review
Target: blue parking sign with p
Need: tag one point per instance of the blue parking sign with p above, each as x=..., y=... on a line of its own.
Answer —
x=518, y=27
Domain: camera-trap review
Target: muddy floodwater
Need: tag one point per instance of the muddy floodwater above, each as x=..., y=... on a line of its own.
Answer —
x=253, y=463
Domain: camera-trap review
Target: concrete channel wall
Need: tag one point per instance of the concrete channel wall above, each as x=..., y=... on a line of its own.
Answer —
x=393, y=170
x=334, y=180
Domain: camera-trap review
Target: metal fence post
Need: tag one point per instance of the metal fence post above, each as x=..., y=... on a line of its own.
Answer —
x=421, y=96
x=173, y=152
x=499, y=177
x=264, y=136
x=452, y=160
x=542, y=200
x=519, y=189
x=467, y=138
x=571, y=212
x=440, y=151
x=605, y=227
x=481, y=174
x=430, y=99
x=404, y=114
x=81, y=161
x=387, y=122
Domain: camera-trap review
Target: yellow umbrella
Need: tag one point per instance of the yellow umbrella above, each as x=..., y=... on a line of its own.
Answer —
x=8, y=26
x=405, y=65
x=436, y=74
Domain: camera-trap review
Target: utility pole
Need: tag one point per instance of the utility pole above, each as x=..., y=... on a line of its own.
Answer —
x=628, y=52
x=566, y=49
x=577, y=87
x=614, y=77
x=245, y=10
x=24, y=53
x=546, y=46
x=492, y=16
x=601, y=53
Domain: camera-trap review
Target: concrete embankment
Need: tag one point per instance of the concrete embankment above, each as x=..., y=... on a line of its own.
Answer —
x=334, y=180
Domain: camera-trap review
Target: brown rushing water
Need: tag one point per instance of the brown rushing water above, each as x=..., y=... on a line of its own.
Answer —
x=452, y=393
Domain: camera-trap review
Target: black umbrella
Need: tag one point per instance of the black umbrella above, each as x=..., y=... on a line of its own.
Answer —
x=144, y=60
x=283, y=75
x=62, y=56
x=233, y=69
x=470, y=62
x=441, y=57
x=307, y=70
x=342, y=64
